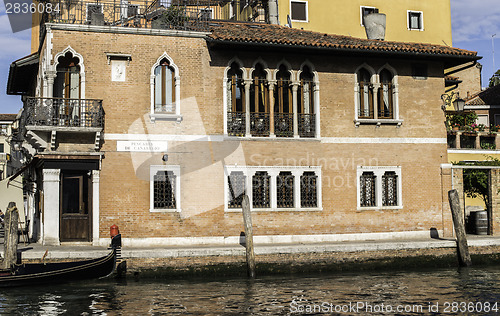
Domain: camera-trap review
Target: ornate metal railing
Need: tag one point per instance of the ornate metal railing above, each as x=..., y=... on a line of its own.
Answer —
x=64, y=112
x=283, y=124
x=259, y=124
x=307, y=125
x=168, y=14
x=236, y=123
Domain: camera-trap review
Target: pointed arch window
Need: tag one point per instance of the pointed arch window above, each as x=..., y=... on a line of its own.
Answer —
x=385, y=94
x=306, y=115
x=365, y=94
x=164, y=87
x=236, y=101
x=259, y=102
x=283, y=109
x=67, y=82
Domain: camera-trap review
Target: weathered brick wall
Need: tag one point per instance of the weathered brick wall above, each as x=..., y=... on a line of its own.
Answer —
x=124, y=185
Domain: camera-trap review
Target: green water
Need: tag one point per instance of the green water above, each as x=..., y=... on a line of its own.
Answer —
x=443, y=291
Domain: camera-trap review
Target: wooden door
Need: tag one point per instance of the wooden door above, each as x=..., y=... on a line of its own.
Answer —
x=75, y=209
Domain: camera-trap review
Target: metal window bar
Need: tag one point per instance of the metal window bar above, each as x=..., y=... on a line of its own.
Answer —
x=283, y=124
x=367, y=189
x=164, y=190
x=308, y=189
x=307, y=125
x=236, y=181
x=259, y=124
x=236, y=123
x=390, y=189
x=64, y=112
x=285, y=190
x=261, y=190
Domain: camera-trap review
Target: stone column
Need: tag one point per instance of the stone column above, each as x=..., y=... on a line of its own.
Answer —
x=273, y=188
x=50, y=219
x=248, y=83
x=271, y=108
x=95, y=206
x=494, y=202
x=376, y=86
x=295, y=88
x=296, y=188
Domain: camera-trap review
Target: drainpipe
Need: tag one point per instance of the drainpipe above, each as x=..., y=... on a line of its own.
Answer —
x=273, y=11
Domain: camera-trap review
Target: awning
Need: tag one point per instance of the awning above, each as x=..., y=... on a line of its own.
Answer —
x=20, y=171
x=22, y=74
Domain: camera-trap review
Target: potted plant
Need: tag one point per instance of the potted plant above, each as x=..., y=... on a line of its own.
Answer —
x=474, y=127
x=481, y=127
x=455, y=126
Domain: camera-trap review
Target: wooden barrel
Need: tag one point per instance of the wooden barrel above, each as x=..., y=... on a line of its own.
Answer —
x=481, y=221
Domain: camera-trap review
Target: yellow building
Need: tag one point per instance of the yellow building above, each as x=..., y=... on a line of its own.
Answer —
x=424, y=21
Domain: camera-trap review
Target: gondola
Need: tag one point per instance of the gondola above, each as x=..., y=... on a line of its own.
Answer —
x=49, y=273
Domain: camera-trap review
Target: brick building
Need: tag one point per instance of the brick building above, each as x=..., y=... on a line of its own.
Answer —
x=162, y=130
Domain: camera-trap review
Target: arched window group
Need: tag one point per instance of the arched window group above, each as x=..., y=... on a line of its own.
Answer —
x=271, y=103
x=375, y=94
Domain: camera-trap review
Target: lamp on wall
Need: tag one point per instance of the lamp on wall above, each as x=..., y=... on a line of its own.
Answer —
x=453, y=99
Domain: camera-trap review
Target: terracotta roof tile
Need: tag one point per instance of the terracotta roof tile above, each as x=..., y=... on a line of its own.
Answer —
x=7, y=117
x=259, y=33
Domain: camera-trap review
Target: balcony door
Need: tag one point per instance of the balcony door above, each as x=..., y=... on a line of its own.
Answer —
x=67, y=88
x=75, y=208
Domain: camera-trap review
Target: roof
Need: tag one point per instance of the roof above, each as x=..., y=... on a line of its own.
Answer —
x=22, y=72
x=8, y=117
x=276, y=35
x=490, y=96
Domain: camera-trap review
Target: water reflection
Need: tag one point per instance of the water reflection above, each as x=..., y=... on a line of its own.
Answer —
x=279, y=295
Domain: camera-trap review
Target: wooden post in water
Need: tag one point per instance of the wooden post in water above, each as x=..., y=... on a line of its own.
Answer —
x=11, y=237
x=247, y=221
x=458, y=222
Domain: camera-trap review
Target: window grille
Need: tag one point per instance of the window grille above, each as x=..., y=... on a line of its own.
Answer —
x=367, y=189
x=285, y=189
x=390, y=189
x=365, y=96
x=260, y=190
x=237, y=190
x=308, y=189
x=164, y=190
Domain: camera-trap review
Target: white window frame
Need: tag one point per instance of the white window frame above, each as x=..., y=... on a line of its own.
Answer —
x=161, y=116
x=307, y=11
x=361, y=13
x=487, y=116
x=379, y=172
x=153, y=169
x=421, y=20
x=375, y=81
x=273, y=172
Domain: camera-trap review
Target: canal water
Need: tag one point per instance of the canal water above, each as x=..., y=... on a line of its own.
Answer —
x=470, y=291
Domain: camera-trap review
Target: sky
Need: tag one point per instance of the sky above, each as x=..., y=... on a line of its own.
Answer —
x=473, y=24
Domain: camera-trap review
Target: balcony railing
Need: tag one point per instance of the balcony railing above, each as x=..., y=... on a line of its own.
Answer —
x=259, y=124
x=283, y=124
x=168, y=14
x=236, y=123
x=60, y=112
x=307, y=125
x=473, y=140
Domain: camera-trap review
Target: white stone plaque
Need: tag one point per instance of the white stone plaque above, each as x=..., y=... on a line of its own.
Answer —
x=141, y=146
x=118, y=68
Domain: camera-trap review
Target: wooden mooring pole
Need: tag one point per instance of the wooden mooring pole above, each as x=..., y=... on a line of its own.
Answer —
x=458, y=222
x=11, y=236
x=247, y=221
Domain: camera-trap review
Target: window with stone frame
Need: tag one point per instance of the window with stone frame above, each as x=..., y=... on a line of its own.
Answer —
x=379, y=188
x=164, y=88
x=415, y=20
x=259, y=103
x=165, y=188
x=261, y=183
x=306, y=116
x=283, y=109
x=365, y=94
x=236, y=122
x=308, y=189
x=385, y=95
x=236, y=181
x=285, y=190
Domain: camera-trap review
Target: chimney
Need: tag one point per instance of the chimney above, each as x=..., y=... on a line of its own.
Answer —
x=273, y=11
x=375, y=26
